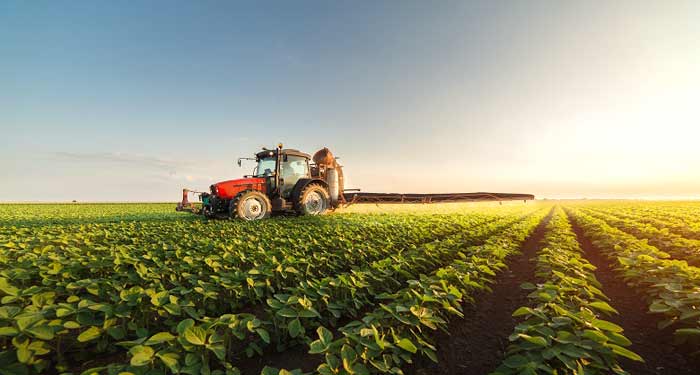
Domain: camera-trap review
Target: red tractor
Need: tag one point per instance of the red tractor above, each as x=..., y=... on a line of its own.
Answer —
x=284, y=180
x=288, y=180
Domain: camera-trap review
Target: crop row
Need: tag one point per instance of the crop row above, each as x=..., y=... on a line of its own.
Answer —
x=57, y=261
x=678, y=247
x=562, y=331
x=671, y=212
x=687, y=212
x=74, y=294
x=347, y=294
x=686, y=226
x=400, y=328
x=56, y=213
x=671, y=287
x=314, y=302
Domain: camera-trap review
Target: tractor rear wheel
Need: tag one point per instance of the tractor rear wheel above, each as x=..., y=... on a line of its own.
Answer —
x=250, y=205
x=313, y=199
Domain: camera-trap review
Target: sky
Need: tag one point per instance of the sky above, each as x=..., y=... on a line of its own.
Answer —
x=132, y=101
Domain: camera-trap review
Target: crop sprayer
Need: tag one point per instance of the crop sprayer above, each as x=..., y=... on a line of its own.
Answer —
x=288, y=180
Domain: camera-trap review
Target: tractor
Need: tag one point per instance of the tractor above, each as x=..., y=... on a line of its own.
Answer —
x=283, y=180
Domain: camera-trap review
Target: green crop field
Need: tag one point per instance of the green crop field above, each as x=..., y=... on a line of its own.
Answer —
x=576, y=287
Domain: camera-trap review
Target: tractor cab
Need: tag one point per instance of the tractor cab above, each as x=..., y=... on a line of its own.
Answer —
x=282, y=169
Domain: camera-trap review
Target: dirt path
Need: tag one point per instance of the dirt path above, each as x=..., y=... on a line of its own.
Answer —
x=640, y=327
x=476, y=344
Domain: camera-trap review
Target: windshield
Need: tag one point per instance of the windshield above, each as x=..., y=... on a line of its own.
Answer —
x=266, y=167
x=296, y=166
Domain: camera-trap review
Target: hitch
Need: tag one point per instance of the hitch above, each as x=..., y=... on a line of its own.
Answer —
x=186, y=205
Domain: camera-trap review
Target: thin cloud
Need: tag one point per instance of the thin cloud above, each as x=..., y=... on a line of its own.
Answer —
x=118, y=158
x=181, y=178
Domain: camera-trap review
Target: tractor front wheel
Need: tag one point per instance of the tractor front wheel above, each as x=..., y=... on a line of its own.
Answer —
x=250, y=205
x=313, y=200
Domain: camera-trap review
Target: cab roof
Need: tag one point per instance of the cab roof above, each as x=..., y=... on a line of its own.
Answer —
x=285, y=151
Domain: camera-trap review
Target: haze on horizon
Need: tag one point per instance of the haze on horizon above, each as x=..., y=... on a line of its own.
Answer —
x=100, y=101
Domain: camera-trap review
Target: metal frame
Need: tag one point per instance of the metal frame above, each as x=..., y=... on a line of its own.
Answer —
x=395, y=198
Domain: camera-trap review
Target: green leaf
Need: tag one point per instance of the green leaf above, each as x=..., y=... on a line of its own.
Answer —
x=618, y=339
x=537, y=340
x=116, y=333
x=606, y=326
x=690, y=315
x=24, y=355
x=309, y=313
x=159, y=338
x=8, y=331
x=172, y=308
x=61, y=312
x=596, y=336
x=324, y=335
x=515, y=361
x=252, y=324
x=42, y=332
x=317, y=347
x=7, y=288
x=603, y=306
x=565, y=337
x=687, y=332
x=626, y=353
x=196, y=335
x=7, y=312
x=287, y=313
x=71, y=324
x=264, y=335
x=407, y=345
x=141, y=355
x=658, y=307
x=522, y=311
x=89, y=334
x=357, y=369
x=349, y=356
x=170, y=360
x=25, y=321
x=183, y=325
x=295, y=328
x=219, y=350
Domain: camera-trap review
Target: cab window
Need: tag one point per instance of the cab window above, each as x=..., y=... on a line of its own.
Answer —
x=293, y=169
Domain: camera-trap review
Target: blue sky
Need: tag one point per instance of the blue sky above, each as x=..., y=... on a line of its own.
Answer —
x=132, y=101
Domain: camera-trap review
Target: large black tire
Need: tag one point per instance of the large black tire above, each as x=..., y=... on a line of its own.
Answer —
x=313, y=199
x=250, y=205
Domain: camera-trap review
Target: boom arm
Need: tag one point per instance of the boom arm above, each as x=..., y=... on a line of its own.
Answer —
x=360, y=197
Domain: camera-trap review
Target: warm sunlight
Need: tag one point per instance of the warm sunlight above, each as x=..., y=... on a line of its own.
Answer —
x=557, y=100
x=367, y=187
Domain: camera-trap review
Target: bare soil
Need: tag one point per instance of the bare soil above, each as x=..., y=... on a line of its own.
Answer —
x=296, y=357
x=477, y=344
x=652, y=344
